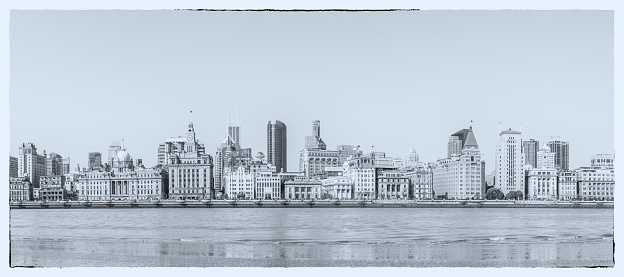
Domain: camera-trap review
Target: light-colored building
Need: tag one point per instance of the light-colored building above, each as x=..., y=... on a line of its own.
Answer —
x=123, y=182
x=190, y=173
x=509, y=162
x=566, y=185
x=411, y=159
x=338, y=187
x=391, y=184
x=461, y=176
x=13, y=167
x=20, y=189
x=302, y=189
x=363, y=176
x=603, y=160
x=268, y=185
x=348, y=152
x=541, y=184
x=421, y=181
x=239, y=183
x=595, y=183
x=314, y=162
x=31, y=164
x=545, y=158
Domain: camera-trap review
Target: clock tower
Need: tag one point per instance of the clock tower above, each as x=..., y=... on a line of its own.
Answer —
x=189, y=145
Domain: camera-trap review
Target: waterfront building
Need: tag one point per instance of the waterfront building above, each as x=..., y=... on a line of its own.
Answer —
x=175, y=146
x=562, y=153
x=509, y=162
x=35, y=195
x=597, y=182
x=541, y=184
x=13, y=167
x=566, y=185
x=545, y=158
x=20, y=189
x=421, y=181
x=530, y=148
x=461, y=176
x=52, y=188
x=302, y=189
x=190, y=170
x=277, y=145
x=239, y=183
x=122, y=181
x=268, y=185
x=30, y=164
x=95, y=161
x=71, y=183
x=363, y=175
x=339, y=187
x=391, y=184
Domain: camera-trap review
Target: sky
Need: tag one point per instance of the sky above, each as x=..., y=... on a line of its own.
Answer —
x=393, y=80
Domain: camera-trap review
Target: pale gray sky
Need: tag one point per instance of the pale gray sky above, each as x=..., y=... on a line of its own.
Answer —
x=81, y=79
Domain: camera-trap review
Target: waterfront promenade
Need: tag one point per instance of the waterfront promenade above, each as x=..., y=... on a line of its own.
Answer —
x=311, y=204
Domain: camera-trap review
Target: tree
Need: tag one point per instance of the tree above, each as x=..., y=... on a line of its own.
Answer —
x=494, y=193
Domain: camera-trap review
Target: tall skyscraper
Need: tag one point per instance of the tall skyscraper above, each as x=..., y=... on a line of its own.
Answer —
x=95, y=160
x=54, y=164
x=510, y=162
x=530, y=148
x=12, y=167
x=31, y=164
x=562, y=153
x=276, y=145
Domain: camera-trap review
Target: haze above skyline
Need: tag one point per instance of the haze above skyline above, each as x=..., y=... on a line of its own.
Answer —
x=81, y=79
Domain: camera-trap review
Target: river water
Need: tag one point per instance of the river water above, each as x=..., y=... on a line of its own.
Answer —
x=310, y=237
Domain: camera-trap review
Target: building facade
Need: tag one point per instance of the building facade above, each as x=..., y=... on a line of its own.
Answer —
x=566, y=185
x=541, y=184
x=391, y=184
x=190, y=170
x=545, y=158
x=268, y=185
x=338, y=187
x=52, y=188
x=596, y=183
x=509, y=162
x=421, y=181
x=239, y=183
x=303, y=189
x=461, y=176
x=277, y=145
x=20, y=189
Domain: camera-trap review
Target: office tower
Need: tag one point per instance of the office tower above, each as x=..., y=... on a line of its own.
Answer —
x=31, y=164
x=95, y=160
x=562, y=153
x=276, y=145
x=66, y=166
x=510, y=162
x=530, y=148
x=456, y=142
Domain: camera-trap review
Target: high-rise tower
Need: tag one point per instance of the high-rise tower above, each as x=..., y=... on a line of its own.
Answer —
x=510, y=162
x=530, y=149
x=276, y=145
x=562, y=153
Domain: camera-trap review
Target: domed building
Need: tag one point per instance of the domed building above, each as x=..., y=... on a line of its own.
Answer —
x=122, y=161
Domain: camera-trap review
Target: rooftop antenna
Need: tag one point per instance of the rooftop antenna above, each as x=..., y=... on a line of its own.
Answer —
x=499, y=127
x=190, y=118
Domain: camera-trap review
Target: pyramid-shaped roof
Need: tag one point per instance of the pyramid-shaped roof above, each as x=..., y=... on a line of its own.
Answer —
x=471, y=141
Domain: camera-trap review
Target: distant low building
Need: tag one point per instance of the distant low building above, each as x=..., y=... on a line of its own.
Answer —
x=339, y=187
x=302, y=189
x=392, y=184
x=567, y=185
x=421, y=182
x=541, y=184
x=52, y=188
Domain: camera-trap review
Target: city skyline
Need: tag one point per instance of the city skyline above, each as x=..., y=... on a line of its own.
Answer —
x=371, y=78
